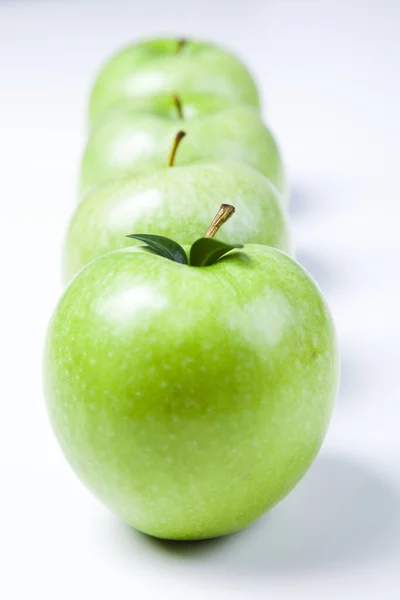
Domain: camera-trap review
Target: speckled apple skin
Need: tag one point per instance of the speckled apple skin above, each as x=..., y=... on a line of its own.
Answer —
x=154, y=66
x=191, y=400
x=133, y=142
x=177, y=202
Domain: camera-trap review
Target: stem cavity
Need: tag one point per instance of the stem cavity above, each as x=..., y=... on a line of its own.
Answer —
x=204, y=252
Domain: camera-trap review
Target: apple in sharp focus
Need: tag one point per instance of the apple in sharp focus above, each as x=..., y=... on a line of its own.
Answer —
x=191, y=399
x=169, y=65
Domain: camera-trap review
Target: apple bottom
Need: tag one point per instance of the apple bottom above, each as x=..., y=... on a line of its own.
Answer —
x=201, y=494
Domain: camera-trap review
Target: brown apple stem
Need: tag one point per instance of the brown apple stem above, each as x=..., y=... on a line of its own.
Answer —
x=178, y=105
x=180, y=43
x=225, y=212
x=179, y=136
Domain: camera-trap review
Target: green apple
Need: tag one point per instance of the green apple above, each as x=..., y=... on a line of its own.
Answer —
x=176, y=202
x=190, y=399
x=131, y=141
x=169, y=65
x=175, y=107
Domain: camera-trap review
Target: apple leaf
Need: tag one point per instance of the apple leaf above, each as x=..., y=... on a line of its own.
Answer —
x=206, y=251
x=162, y=246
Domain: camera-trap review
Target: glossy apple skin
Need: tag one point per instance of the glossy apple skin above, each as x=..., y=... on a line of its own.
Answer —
x=191, y=400
x=179, y=203
x=154, y=67
x=133, y=142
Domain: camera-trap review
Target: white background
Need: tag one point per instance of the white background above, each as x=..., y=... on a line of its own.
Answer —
x=329, y=73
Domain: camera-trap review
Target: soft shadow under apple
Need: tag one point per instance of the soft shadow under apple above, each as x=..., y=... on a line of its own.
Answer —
x=340, y=515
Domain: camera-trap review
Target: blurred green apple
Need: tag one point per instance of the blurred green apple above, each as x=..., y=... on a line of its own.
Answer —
x=175, y=107
x=170, y=65
x=130, y=141
x=191, y=399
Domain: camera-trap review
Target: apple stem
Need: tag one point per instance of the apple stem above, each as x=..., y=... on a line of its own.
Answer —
x=179, y=136
x=180, y=43
x=178, y=105
x=225, y=212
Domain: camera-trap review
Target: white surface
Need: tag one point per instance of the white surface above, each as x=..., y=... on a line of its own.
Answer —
x=329, y=73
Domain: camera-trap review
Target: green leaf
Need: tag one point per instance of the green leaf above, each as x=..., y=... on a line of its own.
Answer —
x=162, y=246
x=206, y=251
